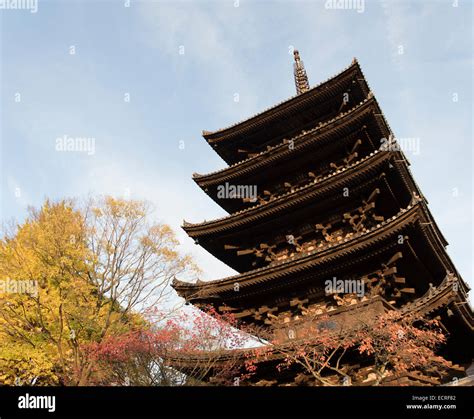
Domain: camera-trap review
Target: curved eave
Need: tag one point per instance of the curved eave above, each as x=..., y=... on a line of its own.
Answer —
x=301, y=142
x=304, y=193
x=209, y=291
x=446, y=294
x=283, y=108
x=193, y=360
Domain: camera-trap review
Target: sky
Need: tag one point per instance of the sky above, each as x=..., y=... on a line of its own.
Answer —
x=141, y=80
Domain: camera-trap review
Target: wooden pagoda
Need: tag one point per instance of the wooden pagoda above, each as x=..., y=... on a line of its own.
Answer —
x=334, y=198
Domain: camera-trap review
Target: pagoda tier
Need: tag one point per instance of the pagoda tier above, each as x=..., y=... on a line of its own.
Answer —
x=310, y=155
x=398, y=259
x=446, y=302
x=323, y=211
x=287, y=119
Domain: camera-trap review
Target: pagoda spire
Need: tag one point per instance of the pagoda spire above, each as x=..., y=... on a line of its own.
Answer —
x=301, y=78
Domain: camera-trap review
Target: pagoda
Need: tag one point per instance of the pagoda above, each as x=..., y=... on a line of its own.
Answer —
x=317, y=189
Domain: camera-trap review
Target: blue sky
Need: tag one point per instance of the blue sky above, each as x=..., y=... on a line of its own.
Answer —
x=182, y=63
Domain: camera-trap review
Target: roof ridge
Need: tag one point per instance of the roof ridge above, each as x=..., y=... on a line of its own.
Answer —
x=432, y=292
x=354, y=63
x=285, y=141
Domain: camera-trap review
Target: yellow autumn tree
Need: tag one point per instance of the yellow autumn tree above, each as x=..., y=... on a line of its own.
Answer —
x=70, y=276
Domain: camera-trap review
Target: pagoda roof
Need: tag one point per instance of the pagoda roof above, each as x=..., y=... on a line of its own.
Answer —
x=196, y=358
x=320, y=133
x=448, y=303
x=282, y=111
x=437, y=301
x=426, y=306
x=305, y=193
x=414, y=213
x=441, y=296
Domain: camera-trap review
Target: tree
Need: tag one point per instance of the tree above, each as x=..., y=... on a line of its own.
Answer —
x=401, y=343
x=94, y=271
x=48, y=252
x=393, y=344
x=192, y=348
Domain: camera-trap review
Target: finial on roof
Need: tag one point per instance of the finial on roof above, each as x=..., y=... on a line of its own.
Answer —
x=301, y=78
